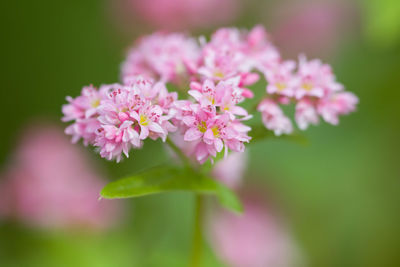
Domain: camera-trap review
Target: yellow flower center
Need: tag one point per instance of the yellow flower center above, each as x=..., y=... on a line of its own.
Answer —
x=95, y=103
x=211, y=99
x=215, y=131
x=219, y=74
x=202, y=127
x=308, y=86
x=280, y=86
x=180, y=68
x=143, y=120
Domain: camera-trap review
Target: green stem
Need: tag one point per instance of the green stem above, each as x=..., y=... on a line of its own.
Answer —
x=178, y=152
x=197, y=245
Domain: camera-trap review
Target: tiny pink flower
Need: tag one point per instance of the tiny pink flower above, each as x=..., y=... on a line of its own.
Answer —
x=315, y=79
x=162, y=56
x=260, y=53
x=335, y=105
x=225, y=95
x=128, y=116
x=306, y=114
x=220, y=63
x=213, y=132
x=281, y=79
x=83, y=111
x=148, y=119
x=273, y=117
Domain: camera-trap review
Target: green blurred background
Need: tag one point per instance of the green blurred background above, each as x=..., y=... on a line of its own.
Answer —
x=340, y=194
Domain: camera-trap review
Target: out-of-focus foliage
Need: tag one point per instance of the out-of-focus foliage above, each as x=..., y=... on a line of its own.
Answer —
x=382, y=21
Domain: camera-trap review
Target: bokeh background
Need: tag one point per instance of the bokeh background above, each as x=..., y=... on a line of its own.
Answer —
x=336, y=198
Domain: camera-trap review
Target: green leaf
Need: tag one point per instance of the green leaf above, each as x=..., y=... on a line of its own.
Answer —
x=259, y=133
x=170, y=178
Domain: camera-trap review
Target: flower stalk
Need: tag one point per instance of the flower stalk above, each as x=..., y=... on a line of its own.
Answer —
x=197, y=245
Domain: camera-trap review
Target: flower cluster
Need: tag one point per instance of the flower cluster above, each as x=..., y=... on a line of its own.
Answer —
x=215, y=77
x=313, y=89
x=214, y=121
x=118, y=117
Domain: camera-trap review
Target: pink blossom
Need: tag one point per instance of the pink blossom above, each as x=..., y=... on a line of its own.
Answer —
x=256, y=238
x=315, y=79
x=306, y=114
x=337, y=104
x=273, y=117
x=315, y=27
x=83, y=111
x=260, y=52
x=281, y=79
x=51, y=184
x=225, y=95
x=162, y=56
x=216, y=75
x=221, y=62
x=232, y=52
x=212, y=132
x=223, y=57
x=129, y=116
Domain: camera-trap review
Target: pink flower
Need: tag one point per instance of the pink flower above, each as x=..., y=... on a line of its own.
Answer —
x=83, y=111
x=230, y=170
x=226, y=95
x=117, y=117
x=223, y=57
x=335, y=105
x=260, y=52
x=256, y=238
x=315, y=79
x=51, y=184
x=273, y=117
x=129, y=116
x=306, y=114
x=167, y=57
x=123, y=115
x=315, y=27
x=232, y=53
x=281, y=79
x=212, y=132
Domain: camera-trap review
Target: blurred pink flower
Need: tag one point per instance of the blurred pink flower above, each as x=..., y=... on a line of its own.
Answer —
x=230, y=170
x=312, y=27
x=337, y=104
x=254, y=239
x=183, y=14
x=273, y=117
x=51, y=184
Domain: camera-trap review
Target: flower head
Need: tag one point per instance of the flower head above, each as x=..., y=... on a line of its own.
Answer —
x=273, y=117
x=306, y=114
x=337, y=104
x=162, y=56
x=315, y=79
x=280, y=79
x=214, y=77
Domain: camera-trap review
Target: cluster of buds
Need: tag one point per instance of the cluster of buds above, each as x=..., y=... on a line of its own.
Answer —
x=215, y=77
